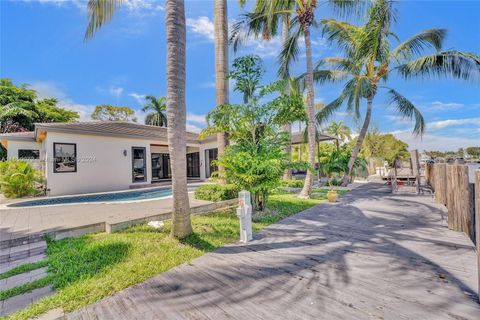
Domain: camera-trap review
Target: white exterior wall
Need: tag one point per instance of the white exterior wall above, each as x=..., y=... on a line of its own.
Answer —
x=203, y=162
x=15, y=145
x=101, y=164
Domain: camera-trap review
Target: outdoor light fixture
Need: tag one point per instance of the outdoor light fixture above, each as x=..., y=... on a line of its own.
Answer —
x=125, y=153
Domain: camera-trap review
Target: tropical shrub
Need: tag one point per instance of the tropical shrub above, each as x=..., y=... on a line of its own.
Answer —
x=256, y=160
x=216, y=192
x=292, y=183
x=18, y=179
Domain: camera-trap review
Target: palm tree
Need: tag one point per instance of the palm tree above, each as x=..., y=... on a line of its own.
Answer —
x=340, y=131
x=221, y=67
x=157, y=116
x=369, y=61
x=100, y=12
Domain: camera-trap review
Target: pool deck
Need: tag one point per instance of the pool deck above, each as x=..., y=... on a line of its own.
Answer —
x=21, y=222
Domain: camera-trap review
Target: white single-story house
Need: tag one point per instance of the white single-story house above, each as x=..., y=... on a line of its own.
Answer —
x=86, y=157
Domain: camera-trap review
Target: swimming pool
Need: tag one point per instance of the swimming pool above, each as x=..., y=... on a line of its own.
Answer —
x=137, y=195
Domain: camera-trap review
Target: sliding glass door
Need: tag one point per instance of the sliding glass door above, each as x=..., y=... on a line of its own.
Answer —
x=193, y=165
x=139, y=164
x=161, y=166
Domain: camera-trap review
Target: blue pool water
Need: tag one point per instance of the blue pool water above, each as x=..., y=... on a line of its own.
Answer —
x=104, y=197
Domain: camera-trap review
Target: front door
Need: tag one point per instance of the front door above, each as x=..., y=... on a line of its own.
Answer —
x=161, y=166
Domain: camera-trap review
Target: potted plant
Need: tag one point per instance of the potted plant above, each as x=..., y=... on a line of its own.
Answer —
x=333, y=164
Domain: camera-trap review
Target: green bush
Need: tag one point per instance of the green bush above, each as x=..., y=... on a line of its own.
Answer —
x=292, y=183
x=216, y=192
x=18, y=179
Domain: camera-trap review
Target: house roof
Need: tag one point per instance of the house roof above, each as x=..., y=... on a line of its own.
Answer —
x=115, y=129
x=298, y=137
x=24, y=136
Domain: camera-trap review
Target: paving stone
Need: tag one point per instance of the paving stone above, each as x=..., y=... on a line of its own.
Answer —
x=4, y=267
x=23, y=278
x=21, y=301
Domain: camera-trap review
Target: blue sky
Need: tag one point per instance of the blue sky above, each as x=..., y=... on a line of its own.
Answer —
x=42, y=45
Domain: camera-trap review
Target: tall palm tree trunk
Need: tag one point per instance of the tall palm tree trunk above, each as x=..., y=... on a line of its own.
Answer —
x=176, y=114
x=307, y=186
x=358, y=145
x=221, y=67
x=287, y=175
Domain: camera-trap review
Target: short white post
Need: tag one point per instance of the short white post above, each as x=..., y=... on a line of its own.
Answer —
x=244, y=213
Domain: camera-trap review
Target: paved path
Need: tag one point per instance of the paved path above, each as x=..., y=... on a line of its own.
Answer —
x=20, y=222
x=372, y=256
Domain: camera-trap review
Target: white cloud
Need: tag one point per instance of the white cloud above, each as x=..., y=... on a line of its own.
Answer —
x=438, y=105
x=112, y=90
x=198, y=118
x=452, y=122
x=140, y=98
x=434, y=142
x=47, y=89
x=202, y=26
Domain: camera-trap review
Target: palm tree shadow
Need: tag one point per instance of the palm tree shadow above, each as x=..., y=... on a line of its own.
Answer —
x=75, y=259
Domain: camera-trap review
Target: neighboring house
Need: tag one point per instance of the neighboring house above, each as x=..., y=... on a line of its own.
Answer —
x=86, y=157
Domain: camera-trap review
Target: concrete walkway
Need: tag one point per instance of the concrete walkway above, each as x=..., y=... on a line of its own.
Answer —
x=21, y=222
x=372, y=256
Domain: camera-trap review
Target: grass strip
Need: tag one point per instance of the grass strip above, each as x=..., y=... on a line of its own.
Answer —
x=24, y=288
x=27, y=267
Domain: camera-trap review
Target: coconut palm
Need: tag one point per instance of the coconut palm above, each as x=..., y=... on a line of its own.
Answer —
x=221, y=67
x=100, y=12
x=340, y=131
x=298, y=15
x=157, y=116
x=369, y=61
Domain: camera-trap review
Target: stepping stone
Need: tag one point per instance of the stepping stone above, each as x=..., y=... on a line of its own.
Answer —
x=19, y=279
x=4, y=267
x=21, y=301
x=54, y=314
x=22, y=251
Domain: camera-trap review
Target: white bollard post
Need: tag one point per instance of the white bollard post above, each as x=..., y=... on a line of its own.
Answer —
x=244, y=213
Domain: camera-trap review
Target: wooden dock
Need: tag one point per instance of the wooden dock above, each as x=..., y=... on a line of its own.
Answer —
x=374, y=255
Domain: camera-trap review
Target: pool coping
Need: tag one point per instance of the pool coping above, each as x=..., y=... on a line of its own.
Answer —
x=8, y=205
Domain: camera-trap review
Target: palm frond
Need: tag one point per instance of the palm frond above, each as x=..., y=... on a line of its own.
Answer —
x=431, y=38
x=407, y=110
x=99, y=13
x=324, y=76
x=457, y=64
x=333, y=106
x=289, y=52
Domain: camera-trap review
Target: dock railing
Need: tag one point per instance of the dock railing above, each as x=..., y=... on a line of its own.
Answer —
x=460, y=194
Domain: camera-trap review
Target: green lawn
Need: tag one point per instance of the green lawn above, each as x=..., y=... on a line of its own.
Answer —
x=86, y=269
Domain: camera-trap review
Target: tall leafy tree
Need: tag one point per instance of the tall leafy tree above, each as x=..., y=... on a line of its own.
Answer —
x=267, y=19
x=370, y=60
x=157, y=108
x=221, y=66
x=20, y=108
x=340, y=130
x=255, y=161
x=100, y=12
x=107, y=112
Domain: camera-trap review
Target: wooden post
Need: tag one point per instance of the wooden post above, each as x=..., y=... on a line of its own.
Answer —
x=415, y=168
x=451, y=197
x=465, y=201
x=477, y=224
x=440, y=170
